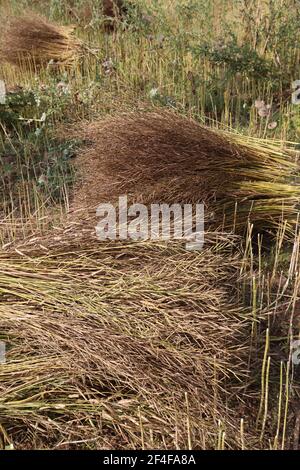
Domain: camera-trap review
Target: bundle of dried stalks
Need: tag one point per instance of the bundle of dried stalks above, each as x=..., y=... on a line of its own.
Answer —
x=31, y=40
x=122, y=346
x=164, y=158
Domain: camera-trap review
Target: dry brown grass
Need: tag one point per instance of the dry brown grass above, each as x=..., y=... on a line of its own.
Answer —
x=122, y=346
x=31, y=40
x=142, y=345
x=139, y=345
x=164, y=158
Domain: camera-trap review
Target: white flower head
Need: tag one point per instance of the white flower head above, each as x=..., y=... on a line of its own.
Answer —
x=259, y=104
x=63, y=88
x=153, y=93
x=42, y=179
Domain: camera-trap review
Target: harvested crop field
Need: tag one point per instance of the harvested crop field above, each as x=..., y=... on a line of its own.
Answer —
x=125, y=342
x=116, y=334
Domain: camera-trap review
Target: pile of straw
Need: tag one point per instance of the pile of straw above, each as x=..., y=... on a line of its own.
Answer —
x=161, y=157
x=33, y=40
x=122, y=346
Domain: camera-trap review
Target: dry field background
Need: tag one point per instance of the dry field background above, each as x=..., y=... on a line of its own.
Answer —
x=144, y=345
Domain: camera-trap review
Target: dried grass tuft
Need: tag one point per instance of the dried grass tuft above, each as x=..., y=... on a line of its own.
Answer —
x=31, y=40
x=162, y=157
x=121, y=346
